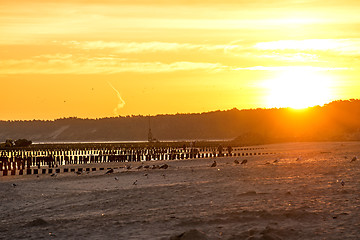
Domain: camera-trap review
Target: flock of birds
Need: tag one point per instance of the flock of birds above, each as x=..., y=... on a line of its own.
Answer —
x=165, y=166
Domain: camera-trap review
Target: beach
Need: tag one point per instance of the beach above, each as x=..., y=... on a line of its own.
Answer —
x=302, y=191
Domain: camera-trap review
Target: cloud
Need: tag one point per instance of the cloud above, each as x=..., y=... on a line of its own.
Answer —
x=340, y=46
x=99, y=66
x=290, y=68
x=141, y=47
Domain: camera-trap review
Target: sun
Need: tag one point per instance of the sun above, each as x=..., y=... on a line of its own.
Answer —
x=298, y=89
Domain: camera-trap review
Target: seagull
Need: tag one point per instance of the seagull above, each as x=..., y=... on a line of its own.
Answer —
x=110, y=171
x=275, y=161
x=53, y=175
x=135, y=183
x=116, y=178
x=146, y=175
x=244, y=161
x=214, y=164
x=14, y=185
x=342, y=182
x=353, y=159
x=236, y=161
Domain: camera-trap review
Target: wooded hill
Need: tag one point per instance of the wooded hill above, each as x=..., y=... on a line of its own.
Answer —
x=336, y=121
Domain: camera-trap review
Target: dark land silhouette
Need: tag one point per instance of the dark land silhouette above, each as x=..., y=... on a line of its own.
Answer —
x=336, y=121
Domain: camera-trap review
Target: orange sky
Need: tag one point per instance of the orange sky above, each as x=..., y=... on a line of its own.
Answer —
x=97, y=58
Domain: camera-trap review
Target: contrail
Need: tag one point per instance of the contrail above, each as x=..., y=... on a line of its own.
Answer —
x=121, y=101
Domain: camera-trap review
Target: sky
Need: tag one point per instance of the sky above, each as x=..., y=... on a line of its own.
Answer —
x=107, y=58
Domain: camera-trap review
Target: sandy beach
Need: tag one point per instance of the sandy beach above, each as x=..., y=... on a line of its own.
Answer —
x=304, y=191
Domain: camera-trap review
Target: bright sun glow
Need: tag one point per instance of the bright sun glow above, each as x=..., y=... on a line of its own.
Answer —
x=299, y=89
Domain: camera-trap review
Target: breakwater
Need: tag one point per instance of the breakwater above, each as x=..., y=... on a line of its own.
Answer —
x=48, y=161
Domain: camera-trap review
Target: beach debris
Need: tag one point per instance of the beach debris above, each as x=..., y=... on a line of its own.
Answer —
x=164, y=176
x=128, y=167
x=109, y=171
x=164, y=166
x=236, y=161
x=353, y=159
x=213, y=164
x=155, y=167
x=116, y=178
x=140, y=167
x=78, y=172
x=53, y=175
x=37, y=222
x=244, y=161
x=276, y=161
x=189, y=235
x=146, y=166
x=135, y=183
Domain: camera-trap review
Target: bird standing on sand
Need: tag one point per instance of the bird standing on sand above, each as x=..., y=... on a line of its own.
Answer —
x=14, y=185
x=353, y=159
x=342, y=182
x=244, y=161
x=110, y=171
x=214, y=164
x=116, y=178
x=236, y=161
x=135, y=183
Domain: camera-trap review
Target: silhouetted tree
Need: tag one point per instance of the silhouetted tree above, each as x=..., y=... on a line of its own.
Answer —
x=22, y=143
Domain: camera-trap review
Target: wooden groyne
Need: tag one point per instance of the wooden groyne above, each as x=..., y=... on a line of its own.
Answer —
x=48, y=161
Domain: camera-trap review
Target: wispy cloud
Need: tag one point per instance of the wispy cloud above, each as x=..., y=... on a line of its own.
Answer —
x=290, y=68
x=99, y=65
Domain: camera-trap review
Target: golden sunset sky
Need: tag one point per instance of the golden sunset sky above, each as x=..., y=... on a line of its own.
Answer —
x=104, y=58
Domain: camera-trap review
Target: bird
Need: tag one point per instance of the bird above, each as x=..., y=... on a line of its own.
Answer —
x=244, y=161
x=236, y=161
x=135, y=183
x=146, y=175
x=139, y=167
x=110, y=171
x=116, y=178
x=342, y=182
x=214, y=164
x=14, y=185
x=53, y=175
x=164, y=166
x=275, y=161
x=164, y=176
x=353, y=159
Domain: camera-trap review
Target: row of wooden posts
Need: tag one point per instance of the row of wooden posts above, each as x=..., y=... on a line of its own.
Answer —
x=20, y=162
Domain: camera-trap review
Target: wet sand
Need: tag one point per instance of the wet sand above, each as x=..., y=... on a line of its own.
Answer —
x=294, y=194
